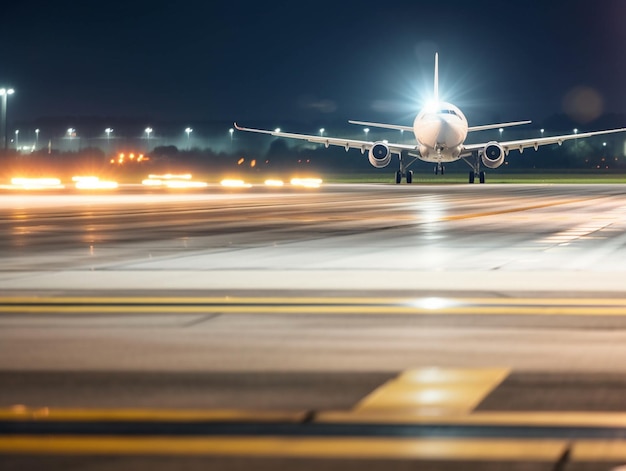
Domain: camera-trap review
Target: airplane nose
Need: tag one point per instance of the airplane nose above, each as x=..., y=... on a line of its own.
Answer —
x=430, y=132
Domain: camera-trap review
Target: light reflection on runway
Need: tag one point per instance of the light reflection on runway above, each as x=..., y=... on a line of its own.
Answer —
x=490, y=231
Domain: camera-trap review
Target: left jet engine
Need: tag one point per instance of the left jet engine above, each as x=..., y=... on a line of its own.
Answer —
x=493, y=155
x=379, y=155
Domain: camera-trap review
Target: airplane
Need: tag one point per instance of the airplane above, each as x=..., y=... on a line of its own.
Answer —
x=440, y=130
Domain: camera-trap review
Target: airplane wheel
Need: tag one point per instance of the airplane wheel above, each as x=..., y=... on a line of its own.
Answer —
x=436, y=170
x=398, y=177
x=409, y=176
x=481, y=177
x=443, y=170
x=472, y=176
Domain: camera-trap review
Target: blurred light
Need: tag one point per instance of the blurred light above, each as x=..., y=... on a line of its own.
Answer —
x=232, y=183
x=271, y=182
x=93, y=183
x=170, y=180
x=170, y=176
x=240, y=161
x=36, y=183
x=433, y=303
x=253, y=163
x=307, y=182
x=277, y=130
x=184, y=184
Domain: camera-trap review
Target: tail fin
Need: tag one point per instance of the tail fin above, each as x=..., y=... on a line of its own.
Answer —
x=436, y=97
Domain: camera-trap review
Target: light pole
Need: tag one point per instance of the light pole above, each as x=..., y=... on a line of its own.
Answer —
x=36, y=138
x=108, y=132
x=366, y=131
x=17, y=140
x=4, y=93
x=322, y=131
x=231, y=131
x=501, y=130
x=148, y=131
x=71, y=133
x=188, y=131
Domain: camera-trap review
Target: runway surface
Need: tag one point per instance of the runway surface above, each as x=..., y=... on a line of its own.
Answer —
x=299, y=328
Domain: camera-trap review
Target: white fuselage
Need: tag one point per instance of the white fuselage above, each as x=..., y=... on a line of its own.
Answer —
x=440, y=131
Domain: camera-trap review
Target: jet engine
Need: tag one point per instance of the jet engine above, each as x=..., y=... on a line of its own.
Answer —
x=379, y=155
x=493, y=155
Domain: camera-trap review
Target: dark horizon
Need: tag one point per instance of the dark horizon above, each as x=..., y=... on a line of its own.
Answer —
x=249, y=61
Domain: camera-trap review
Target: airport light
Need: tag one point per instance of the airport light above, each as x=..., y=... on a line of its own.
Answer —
x=36, y=138
x=148, y=131
x=366, y=131
x=542, y=131
x=277, y=130
x=575, y=130
x=108, y=132
x=322, y=131
x=501, y=130
x=17, y=141
x=4, y=93
x=188, y=131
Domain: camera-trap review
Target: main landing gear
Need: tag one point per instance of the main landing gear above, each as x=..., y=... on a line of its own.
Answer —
x=474, y=162
x=439, y=169
x=408, y=174
x=403, y=172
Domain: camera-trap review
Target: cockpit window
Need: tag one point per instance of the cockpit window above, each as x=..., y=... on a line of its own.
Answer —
x=447, y=111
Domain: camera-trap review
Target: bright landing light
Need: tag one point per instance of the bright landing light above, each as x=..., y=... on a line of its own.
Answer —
x=271, y=182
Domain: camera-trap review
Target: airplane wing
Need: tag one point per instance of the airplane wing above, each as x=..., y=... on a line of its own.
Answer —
x=398, y=127
x=522, y=144
x=364, y=146
x=497, y=126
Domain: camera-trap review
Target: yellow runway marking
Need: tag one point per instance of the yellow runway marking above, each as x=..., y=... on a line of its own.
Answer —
x=433, y=391
x=348, y=306
x=23, y=413
x=508, y=211
x=588, y=450
x=526, y=418
x=334, y=447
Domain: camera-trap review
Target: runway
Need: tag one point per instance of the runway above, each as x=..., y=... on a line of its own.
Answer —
x=501, y=305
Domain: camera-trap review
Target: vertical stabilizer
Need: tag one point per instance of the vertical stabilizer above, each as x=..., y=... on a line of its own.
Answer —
x=436, y=97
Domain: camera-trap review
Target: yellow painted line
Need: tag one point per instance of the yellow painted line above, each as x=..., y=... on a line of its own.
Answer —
x=22, y=413
x=317, y=301
x=308, y=305
x=508, y=211
x=347, y=310
x=335, y=447
x=434, y=390
x=434, y=417
x=591, y=450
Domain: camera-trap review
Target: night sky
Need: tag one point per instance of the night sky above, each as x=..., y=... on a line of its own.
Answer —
x=310, y=61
